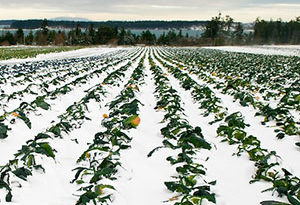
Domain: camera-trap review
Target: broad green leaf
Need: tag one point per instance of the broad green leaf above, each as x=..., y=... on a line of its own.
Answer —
x=40, y=102
x=42, y=136
x=86, y=198
x=293, y=200
x=8, y=197
x=46, y=149
x=79, y=182
x=22, y=173
x=199, y=142
x=55, y=130
x=177, y=187
x=203, y=193
x=3, y=131
x=30, y=161
x=25, y=119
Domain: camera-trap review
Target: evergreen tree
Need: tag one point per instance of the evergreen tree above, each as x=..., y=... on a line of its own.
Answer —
x=121, y=36
x=278, y=32
x=238, y=33
x=129, y=38
x=51, y=36
x=44, y=26
x=180, y=34
x=29, y=38
x=19, y=36
x=60, y=38
x=148, y=38
x=10, y=38
x=213, y=27
x=41, y=38
x=219, y=29
x=162, y=39
x=105, y=34
x=92, y=34
x=78, y=31
x=171, y=37
x=228, y=23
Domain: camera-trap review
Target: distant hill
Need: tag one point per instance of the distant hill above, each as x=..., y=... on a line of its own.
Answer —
x=69, y=19
x=33, y=24
x=6, y=22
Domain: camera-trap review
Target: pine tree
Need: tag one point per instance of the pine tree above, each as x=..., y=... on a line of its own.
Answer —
x=19, y=36
x=91, y=34
x=44, y=26
x=29, y=38
x=238, y=33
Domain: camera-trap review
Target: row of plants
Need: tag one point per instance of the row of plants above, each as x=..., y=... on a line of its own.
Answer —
x=232, y=129
x=98, y=165
x=238, y=87
x=26, y=108
x=29, y=157
x=233, y=79
x=25, y=73
x=15, y=71
x=41, y=80
x=43, y=85
x=38, y=84
x=268, y=168
x=201, y=93
x=30, y=52
x=264, y=72
x=28, y=67
x=189, y=184
x=41, y=71
x=102, y=159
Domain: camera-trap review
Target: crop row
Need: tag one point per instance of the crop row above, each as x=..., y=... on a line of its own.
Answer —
x=97, y=167
x=102, y=159
x=25, y=108
x=26, y=159
x=242, y=90
x=187, y=140
x=266, y=162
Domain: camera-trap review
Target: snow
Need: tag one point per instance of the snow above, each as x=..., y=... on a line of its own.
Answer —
x=231, y=172
x=59, y=171
x=285, y=50
x=84, y=52
x=240, y=169
x=140, y=180
x=10, y=145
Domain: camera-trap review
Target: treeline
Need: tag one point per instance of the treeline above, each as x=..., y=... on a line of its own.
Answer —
x=218, y=31
x=224, y=31
x=92, y=36
x=6, y=22
x=34, y=24
x=277, y=32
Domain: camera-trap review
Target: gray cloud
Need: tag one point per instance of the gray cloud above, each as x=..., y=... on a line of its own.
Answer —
x=147, y=9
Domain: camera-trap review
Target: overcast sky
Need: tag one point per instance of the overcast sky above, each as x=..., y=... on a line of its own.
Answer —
x=240, y=10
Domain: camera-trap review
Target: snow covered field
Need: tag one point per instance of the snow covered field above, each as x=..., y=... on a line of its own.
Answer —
x=85, y=52
x=286, y=50
x=132, y=126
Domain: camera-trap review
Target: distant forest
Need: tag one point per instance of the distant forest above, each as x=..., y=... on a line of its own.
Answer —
x=220, y=30
x=34, y=24
x=6, y=22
